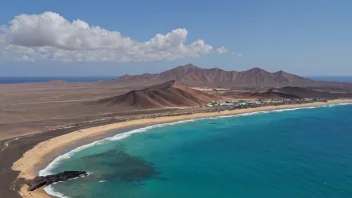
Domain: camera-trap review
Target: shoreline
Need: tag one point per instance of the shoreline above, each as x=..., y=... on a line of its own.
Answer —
x=39, y=154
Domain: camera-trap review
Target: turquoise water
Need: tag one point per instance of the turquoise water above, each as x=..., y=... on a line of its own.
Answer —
x=304, y=153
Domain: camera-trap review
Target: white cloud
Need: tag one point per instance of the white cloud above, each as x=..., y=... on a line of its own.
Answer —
x=49, y=36
x=221, y=50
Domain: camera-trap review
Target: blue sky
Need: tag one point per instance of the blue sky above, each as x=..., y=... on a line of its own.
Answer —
x=306, y=37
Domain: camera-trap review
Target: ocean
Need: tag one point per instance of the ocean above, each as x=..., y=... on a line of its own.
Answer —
x=30, y=79
x=305, y=153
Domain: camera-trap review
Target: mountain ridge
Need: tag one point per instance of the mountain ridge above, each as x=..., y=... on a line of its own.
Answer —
x=191, y=75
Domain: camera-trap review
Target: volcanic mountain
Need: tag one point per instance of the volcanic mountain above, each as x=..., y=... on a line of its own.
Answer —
x=298, y=92
x=275, y=94
x=165, y=95
x=191, y=75
x=311, y=93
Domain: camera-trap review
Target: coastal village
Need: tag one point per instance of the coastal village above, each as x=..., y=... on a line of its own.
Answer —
x=233, y=104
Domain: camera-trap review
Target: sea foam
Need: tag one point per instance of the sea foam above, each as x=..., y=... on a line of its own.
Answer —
x=50, y=190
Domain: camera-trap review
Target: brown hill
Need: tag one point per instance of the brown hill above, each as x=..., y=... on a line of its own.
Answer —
x=311, y=93
x=298, y=92
x=191, y=75
x=274, y=94
x=165, y=95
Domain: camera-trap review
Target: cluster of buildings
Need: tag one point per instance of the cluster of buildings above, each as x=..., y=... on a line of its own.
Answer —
x=291, y=101
x=261, y=102
x=233, y=103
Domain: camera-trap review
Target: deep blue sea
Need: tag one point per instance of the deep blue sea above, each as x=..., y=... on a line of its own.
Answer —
x=28, y=79
x=305, y=153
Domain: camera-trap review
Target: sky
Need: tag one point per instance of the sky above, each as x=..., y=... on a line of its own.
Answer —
x=113, y=37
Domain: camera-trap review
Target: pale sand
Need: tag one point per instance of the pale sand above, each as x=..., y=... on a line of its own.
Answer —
x=34, y=156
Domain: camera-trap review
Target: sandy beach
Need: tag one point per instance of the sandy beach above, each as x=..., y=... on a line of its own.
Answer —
x=31, y=158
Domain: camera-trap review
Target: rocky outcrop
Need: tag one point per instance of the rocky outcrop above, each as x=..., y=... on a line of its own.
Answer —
x=40, y=181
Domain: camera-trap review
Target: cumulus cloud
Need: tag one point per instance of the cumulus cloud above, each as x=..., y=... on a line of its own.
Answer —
x=49, y=36
x=221, y=50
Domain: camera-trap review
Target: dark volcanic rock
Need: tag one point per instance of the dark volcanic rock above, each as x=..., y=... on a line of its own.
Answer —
x=40, y=181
